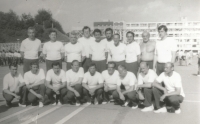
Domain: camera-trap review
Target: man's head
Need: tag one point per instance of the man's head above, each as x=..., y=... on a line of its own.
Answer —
x=86, y=31
x=130, y=36
x=109, y=33
x=53, y=35
x=122, y=70
x=56, y=67
x=144, y=67
x=169, y=67
x=92, y=68
x=145, y=36
x=31, y=32
x=75, y=65
x=34, y=67
x=13, y=68
x=111, y=67
x=116, y=39
x=73, y=37
x=162, y=31
x=97, y=34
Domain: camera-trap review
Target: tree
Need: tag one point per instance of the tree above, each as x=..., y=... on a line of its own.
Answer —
x=42, y=16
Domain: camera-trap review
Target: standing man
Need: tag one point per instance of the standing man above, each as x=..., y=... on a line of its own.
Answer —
x=86, y=41
x=172, y=94
x=147, y=49
x=74, y=51
x=198, y=73
x=34, y=80
x=29, y=49
x=53, y=50
x=14, y=87
x=165, y=50
x=93, y=85
x=117, y=51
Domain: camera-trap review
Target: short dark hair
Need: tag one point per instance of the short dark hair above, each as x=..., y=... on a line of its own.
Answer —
x=122, y=66
x=92, y=64
x=52, y=31
x=113, y=63
x=31, y=28
x=163, y=27
x=117, y=34
x=145, y=63
x=74, y=62
x=109, y=29
x=14, y=64
x=34, y=63
x=55, y=64
x=86, y=27
x=97, y=30
x=130, y=32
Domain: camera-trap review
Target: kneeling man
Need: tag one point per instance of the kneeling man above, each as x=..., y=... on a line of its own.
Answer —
x=172, y=94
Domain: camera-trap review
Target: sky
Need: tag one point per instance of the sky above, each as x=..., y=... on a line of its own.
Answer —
x=79, y=13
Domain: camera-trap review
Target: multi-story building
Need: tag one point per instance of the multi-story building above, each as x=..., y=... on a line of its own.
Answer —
x=102, y=26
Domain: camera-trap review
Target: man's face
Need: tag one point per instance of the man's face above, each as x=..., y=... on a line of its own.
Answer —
x=86, y=33
x=53, y=36
x=34, y=68
x=92, y=70
x=109, y=35
x=130, y=38
x=116, y=40
x=31, y=33
x=168, y=68
x=121, y=72
x=111, y=69
x=144, y=68
x=162, y=33
x=75, y=66
x=97, y=36
x=13, y=70
x=56, y=69
x=73, y=39
x=145, y=37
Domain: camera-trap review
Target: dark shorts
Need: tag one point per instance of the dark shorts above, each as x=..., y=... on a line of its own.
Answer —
x=198, y=62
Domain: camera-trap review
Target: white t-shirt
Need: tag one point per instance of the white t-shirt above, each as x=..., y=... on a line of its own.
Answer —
x=150, y=77
x=30, y=48
x=117, y=52
x=92, y=81
x=31, y=78
x=15, y=54
x=164, y=50
x=73, y=77
x=55, y=79
x=171, y=82
x=132, y=51
x=108, y=44
x=86, y=44
x=110, y=80
x=98, y=50
x=10, y=83
x=74, y=51
x=128, y=81
x=53, y=50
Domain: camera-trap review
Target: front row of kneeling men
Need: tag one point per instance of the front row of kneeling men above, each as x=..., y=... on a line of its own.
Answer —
x=74, y=87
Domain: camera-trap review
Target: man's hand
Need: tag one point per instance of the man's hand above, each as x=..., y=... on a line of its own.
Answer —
x=56, y=90
x=91, y=91
x=76, y=94
x=165, y=91
x=39, y=96
x=29, y=86
x=17, y=97
x=121, y=96
x=17, y=90
x=162, y=98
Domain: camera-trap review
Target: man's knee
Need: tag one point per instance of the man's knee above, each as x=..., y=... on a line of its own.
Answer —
x=115, y=95
x=31, y=98
x=8, y=97
x=173, y=99
x=131, y=95
x=70, y=95
x=63, y=91
x=49, y=91
x=99, y=91
x=42, y=87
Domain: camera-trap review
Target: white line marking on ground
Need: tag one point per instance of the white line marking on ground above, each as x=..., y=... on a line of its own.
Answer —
x=42, y=114
x=65, y=119
x=191, y=101
x=12, y=115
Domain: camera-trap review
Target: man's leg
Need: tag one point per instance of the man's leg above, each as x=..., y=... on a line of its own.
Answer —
x=42, y=91
x=148, y=93
x=107, y=94
x=23, y=94
x=49, y=93
x=174, y=101
x=32, y=98
x=48, y=65
x=63, y=93
x=98, y=94
x=160, y=67
x=69, y=66
x=86, y=95
x=157, y=94
x=8, y=98
x=86, y=64
x=132, y=97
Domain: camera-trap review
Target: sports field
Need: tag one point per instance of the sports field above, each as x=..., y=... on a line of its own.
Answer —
x=109, y=113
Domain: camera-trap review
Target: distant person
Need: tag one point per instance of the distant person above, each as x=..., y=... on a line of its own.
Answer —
x=180, y=57
x=3, y=55
x=165, y=50
x=53, y=50
x=74, y=51
x=29, y=49
x=117, y=51
x=14, y=87
x=171, y=94
x=147, y=49
x=198, y=74
x=86, y=41
x=190, y=56
x=132, y=53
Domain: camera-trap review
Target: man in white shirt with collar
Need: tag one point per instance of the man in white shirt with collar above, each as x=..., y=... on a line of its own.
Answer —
x=74, y=51
x=53, y=50
x=74, y=83
x=165, y=50
x=29, y=49
x=34, y=80
x=172, y=94
x=93, y=85
x=126, y=95
x=56, y=84
x=14, y=87
x=146, y=78
x=117, y=51
x=86, y=41
x=98, y=51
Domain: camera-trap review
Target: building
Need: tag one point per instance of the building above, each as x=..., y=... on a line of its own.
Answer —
x=102, y=26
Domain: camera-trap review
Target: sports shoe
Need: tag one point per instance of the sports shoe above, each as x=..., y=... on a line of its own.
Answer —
x=41, y=104
x=89, y=103
x=78, y=104
x=125, y=104
x=178, y=111
x=134, y=107
x=54, y=103
x=161, y=110
x=59, y=103
x=148, y=109
x=21, y=105
x=105, y=102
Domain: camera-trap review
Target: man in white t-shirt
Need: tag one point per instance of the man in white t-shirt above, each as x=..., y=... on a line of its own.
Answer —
x=98, y=51
x=56, y=84
x=34, y=80
x=126, y=93
x=29, y=49
x=165, y=50
x=110, y=81
x=53, y=50
x=146, y=78
x=14, y=87
x=86, y=41
x=93, y=85
x=172, y=94
x=74, y=83
x=74, y=51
